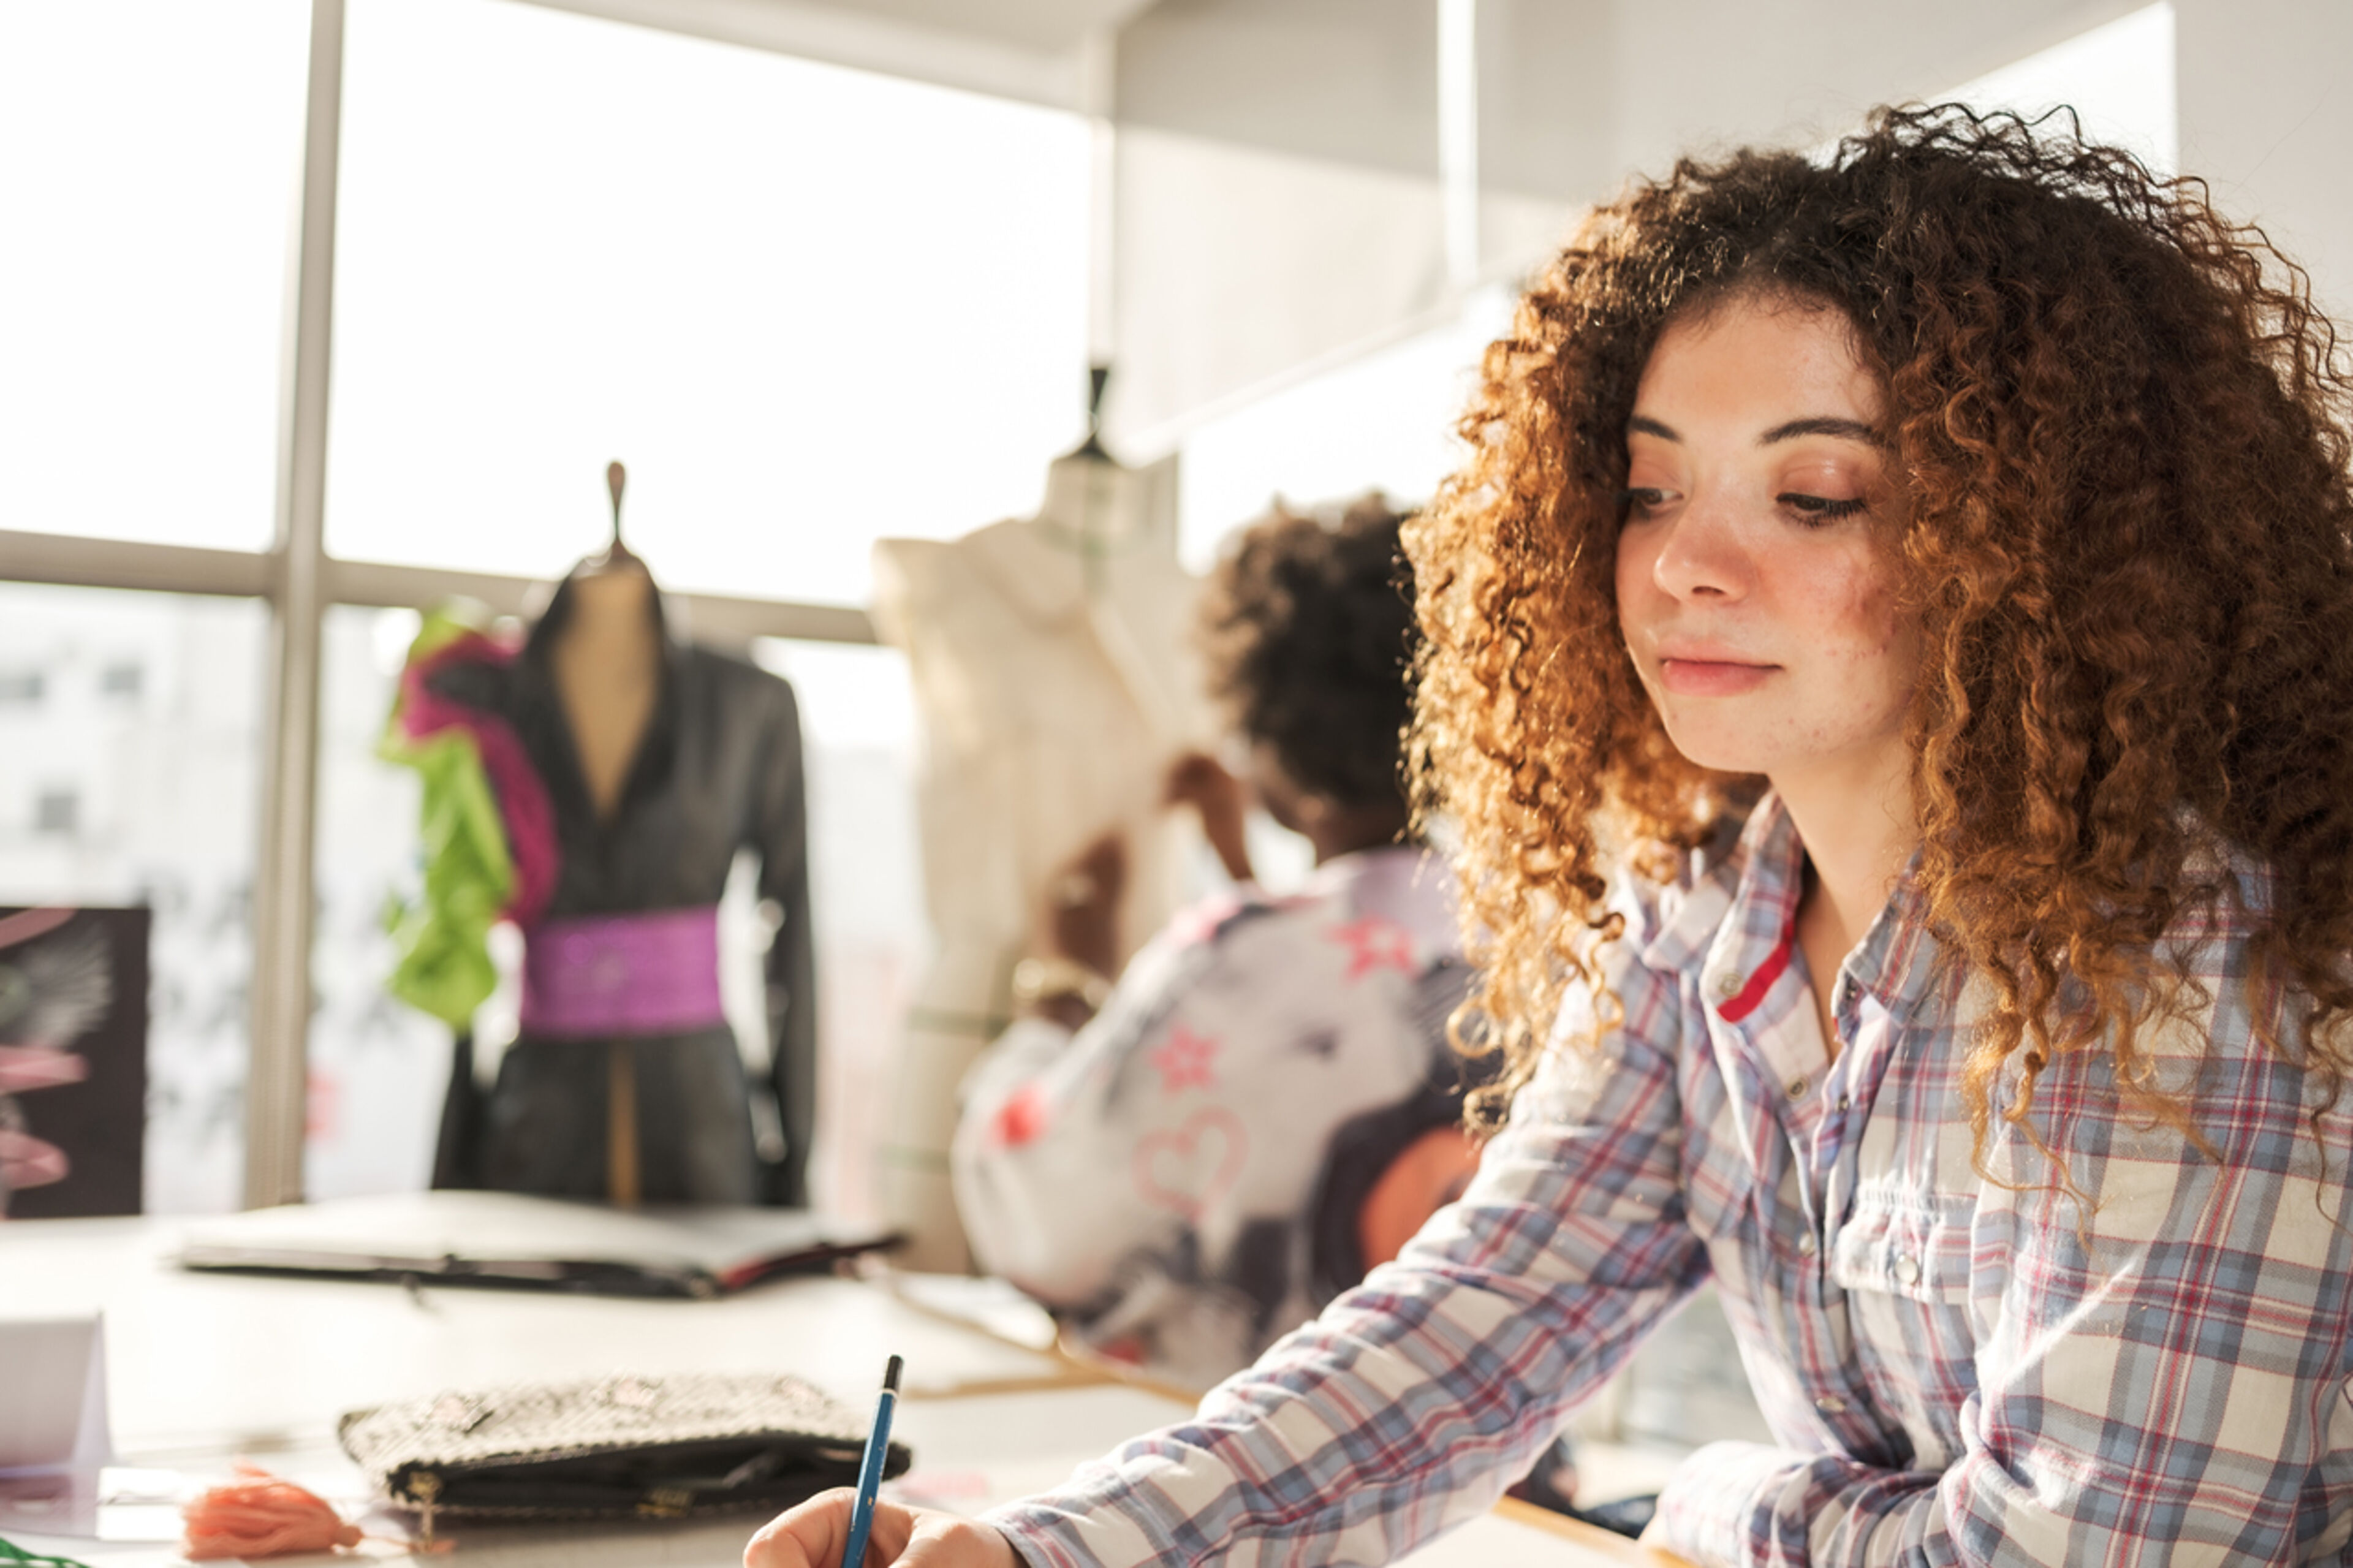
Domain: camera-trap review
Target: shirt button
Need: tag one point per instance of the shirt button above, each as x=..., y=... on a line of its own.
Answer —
x=1830, y=1404
x=1806, y=1244
x=1908, y=1271
x=1846, y=1102
x=1797, y=1087
x=1727, y=987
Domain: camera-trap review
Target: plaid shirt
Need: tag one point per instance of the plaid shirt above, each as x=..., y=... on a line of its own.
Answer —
x=1960, y=1367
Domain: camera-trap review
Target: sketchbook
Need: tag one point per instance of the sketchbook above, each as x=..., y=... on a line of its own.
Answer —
x=510, y=1239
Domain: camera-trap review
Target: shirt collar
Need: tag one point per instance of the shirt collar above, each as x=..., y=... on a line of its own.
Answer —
x=1724, y=872
x=1752, y=943
x=1897, y=960
x=1735, y=919
x=1408, y=884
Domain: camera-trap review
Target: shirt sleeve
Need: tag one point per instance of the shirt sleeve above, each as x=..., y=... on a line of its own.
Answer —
x=1050, y=1121
x=2160, y=1357
x=1416, y=1398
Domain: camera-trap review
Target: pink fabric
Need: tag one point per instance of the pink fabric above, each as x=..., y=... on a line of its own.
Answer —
x=606, y=976
x=522, y=800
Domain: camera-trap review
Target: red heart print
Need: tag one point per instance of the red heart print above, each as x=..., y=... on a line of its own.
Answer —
x=1187, y=1170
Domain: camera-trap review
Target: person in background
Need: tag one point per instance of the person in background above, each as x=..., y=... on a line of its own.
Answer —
x=1889, y=659
x=1187, y=1163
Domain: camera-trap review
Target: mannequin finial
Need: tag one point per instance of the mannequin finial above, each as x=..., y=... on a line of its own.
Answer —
x=616, y=480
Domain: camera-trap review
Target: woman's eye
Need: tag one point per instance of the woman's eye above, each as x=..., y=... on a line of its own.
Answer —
x=1820, y=509
x=1640, y=500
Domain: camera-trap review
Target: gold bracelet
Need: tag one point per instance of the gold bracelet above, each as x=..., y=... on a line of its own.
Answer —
x=1037, y=980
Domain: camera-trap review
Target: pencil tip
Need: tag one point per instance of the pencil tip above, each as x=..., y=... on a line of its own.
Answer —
x=891, y=1374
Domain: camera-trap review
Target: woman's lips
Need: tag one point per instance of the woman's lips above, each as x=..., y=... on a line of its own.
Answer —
x=1711, y=677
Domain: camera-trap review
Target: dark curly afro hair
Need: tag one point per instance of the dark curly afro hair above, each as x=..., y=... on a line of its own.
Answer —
x=1309, y=633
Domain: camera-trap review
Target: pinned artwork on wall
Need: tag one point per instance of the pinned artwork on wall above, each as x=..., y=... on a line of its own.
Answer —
x=73, y=1062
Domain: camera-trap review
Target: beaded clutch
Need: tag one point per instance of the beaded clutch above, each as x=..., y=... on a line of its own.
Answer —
x=623, y=1446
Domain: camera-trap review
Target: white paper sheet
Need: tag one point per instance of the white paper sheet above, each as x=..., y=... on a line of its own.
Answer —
x=53, y=1418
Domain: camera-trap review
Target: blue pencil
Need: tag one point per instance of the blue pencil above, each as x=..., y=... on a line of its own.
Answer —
x=870, y=1471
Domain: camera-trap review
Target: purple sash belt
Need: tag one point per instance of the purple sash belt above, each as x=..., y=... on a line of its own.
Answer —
x=603, y=976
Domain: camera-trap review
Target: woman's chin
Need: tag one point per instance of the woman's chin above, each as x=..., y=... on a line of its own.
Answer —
x=1720, y=753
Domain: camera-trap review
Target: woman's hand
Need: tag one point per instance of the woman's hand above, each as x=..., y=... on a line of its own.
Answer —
x=1082, y=913
x=1077, y=937
x=1198, y=780
x=813, y=1534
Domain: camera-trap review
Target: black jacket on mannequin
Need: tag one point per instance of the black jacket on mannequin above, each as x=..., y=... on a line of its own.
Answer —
x=717, y=770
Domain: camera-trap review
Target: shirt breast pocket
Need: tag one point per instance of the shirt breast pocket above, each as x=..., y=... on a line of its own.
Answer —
x=1905, y=1273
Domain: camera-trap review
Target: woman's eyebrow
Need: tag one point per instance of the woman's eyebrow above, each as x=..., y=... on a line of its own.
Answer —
x=1819, y=425
x=1850, y=429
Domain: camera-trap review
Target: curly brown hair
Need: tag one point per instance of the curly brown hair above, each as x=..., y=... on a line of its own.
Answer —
x=1307, y=629
x=2123, y=425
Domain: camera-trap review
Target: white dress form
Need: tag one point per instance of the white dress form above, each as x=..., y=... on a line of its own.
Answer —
x=1053, y=665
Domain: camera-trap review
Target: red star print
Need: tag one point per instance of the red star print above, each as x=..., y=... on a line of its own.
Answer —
x=1184, y=1061
x=1375, y=943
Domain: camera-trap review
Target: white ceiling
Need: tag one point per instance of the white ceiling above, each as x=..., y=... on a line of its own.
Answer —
x=1026, y=49
x=1049, y=27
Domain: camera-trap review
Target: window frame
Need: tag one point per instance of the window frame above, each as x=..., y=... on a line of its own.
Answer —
x=300, y=581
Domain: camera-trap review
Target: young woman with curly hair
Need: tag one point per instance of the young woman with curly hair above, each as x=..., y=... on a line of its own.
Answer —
x=1891, y=660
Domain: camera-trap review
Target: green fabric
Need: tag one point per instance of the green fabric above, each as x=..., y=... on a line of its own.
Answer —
x=12, y=1553
x=443, y=938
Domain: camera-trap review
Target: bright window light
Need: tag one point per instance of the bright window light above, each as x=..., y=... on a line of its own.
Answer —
x=807, y=306
x=149, y=155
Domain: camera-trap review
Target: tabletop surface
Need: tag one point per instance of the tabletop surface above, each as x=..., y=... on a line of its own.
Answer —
x=205, y=1367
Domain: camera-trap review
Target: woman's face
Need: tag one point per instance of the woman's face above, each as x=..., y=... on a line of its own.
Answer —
x=1754, y=588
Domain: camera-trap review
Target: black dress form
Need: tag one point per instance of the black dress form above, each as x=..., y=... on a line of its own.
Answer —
x=718, y=770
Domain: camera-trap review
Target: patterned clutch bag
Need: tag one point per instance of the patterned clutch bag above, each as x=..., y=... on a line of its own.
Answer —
x=625, y=1447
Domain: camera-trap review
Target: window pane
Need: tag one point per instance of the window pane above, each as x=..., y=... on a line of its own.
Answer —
x=866, y=895
x=377, y=1067
x=149, y=159
x=129, y=748
x=806, y=305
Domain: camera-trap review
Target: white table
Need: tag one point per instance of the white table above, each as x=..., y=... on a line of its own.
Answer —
x=205, y=1367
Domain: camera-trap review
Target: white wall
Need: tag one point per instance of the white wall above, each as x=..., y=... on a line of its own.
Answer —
x=2267, y=120
x=1277, y=202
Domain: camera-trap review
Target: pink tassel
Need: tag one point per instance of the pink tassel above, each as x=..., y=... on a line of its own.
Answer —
x=262, y=1515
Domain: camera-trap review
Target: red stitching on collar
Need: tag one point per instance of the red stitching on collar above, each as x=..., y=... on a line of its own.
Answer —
x=1741, y=1006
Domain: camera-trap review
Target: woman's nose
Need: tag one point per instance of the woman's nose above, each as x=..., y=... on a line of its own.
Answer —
x=1701, y=554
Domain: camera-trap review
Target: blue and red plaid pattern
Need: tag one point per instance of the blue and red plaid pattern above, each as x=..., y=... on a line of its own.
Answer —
x=1962, y=1362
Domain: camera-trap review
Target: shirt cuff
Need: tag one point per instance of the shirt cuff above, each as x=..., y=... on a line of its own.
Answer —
x=1044, y=1535
x=1708, y=1512
x=1746, y=1502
